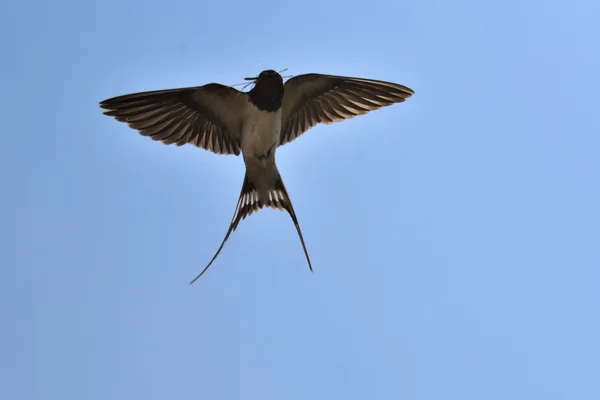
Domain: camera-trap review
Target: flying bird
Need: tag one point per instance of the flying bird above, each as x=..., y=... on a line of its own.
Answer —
x=224, y=120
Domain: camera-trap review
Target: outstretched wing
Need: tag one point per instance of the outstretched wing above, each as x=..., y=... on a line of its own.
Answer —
x=311, y=99
x=206, y=116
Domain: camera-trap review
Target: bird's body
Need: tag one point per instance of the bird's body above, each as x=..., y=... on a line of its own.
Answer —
x=226, y=121
x=260, y=132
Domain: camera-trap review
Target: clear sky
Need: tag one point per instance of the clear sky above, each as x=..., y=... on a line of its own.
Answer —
x=455, y=237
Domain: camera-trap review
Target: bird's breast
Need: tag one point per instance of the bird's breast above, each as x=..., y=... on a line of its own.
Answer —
x=260, y=132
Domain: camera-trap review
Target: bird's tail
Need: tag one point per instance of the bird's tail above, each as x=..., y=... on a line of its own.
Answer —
x=250, y=202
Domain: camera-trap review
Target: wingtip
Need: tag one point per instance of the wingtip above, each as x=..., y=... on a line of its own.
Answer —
x=104, y=104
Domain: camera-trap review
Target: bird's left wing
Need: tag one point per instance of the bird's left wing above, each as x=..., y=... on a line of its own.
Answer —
x=208, y=116
x=311, y=99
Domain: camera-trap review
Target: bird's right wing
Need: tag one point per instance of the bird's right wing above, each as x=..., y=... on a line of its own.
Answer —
x=208, y=116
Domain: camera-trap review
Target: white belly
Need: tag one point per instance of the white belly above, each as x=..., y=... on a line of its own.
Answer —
x=260, y=131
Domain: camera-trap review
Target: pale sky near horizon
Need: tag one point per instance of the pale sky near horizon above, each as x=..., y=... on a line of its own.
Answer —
x=455, y=237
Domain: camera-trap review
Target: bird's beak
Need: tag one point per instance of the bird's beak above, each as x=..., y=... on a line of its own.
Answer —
x=251, y=79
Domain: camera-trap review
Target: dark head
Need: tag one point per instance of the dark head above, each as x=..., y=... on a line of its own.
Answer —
x=267, y=93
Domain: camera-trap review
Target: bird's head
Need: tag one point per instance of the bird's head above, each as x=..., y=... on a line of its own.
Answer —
x=268, y=75
x=267, y=93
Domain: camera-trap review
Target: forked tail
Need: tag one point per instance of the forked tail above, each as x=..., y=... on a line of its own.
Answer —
x=250, y=202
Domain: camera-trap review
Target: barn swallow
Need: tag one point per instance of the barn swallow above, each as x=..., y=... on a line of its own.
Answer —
x=224, y=120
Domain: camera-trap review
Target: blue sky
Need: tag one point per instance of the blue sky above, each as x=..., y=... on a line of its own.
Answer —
x=455, y=237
